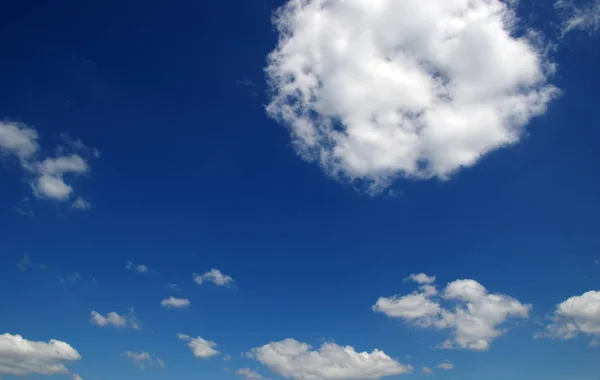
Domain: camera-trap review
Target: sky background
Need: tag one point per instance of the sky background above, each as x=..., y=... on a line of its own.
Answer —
x=194, y=175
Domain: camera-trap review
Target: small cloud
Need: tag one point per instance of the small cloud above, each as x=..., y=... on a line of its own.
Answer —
x=249, y=374
x=226, y=358
x=71, y=278
x=173, y=287
x=114, y=319
x=215, y=276
x=446, y=365
x=175, y=303
x=582, y=17
x=596, y=261
x=426, y=370
x=76, y=377
x=202, y=349
x=26, y=263
x=81, y=204
x=421, y=278
x=138, y=358
x=140, y=268
x=161, y=363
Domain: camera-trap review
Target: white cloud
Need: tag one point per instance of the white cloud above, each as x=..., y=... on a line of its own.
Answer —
x=114, y=319
x=173, y=287
x=426, y=370
x=138, y=358
x=175, y=303
x=292, y=359
x=249, y=374
x=375, y=89
x=19, y=140
x=50, y=182
x=26, y=263
x=76, y=377
x=422, y=278
x=22, y=357
x=215, y=276
x=140, y=268
x=579, y=15
x=81, y=204
x=201, y=348
x=446, y=365
x=226, y=358
x=577, y=315
x=49, y=175
x=474, y=321
x=161, y=363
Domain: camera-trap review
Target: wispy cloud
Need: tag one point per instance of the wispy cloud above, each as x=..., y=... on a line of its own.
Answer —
x=579, y=15
x=115, y=319
x=138, y=358
x=140, y=268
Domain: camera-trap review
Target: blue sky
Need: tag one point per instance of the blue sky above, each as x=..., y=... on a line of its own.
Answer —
x=217, y=186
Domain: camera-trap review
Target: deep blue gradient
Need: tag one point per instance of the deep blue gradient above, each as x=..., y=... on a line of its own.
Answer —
x=193, y=175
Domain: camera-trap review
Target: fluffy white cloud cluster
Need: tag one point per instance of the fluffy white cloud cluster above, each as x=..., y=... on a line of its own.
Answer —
x=579, y=15
x=49, y=175
x=577, y=315
x=201, y=348
x=175, y=303
x=292, y=359
x=115, y=319
x=22, y=357
x=215, y=276
x=374, y=89
x=474, y=321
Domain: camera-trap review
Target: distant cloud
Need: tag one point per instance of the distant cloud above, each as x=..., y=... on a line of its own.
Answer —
x=226, y=358
x=446, y=365
x=138, y=358
x=114, y=319
x=579, y=15
x=161, y=363
x=48, y=176
x=26, y=263
x=596, y=262
x=249, y=374
x=215, y=276
x=201, y=348
x=173, y=287
x=292, y=359
x=175, y=303
x=370, y=99
x=81, y=204
x=76, y=377
x=140, y=268
x=474, y=321
x=575, y=316
x=71, y=278
x=426, y=370
x=22, y=357
x=422, y=278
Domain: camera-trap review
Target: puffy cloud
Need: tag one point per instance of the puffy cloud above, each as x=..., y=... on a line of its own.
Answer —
x=577, y=315
x=76, y=377
x=579, y=15
x=176, y=303
x=49, y=174
x=376, y=89
x=249, y=374
x=140, y=268
x=474, y=321
x=201, y=348
x=21, y=357
x=422, y=278
x=446, y=365
x=215, y=276
x=138, y=358
x=292, y=359
x=116, y=320
x=426, y=370
x=19, y=140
